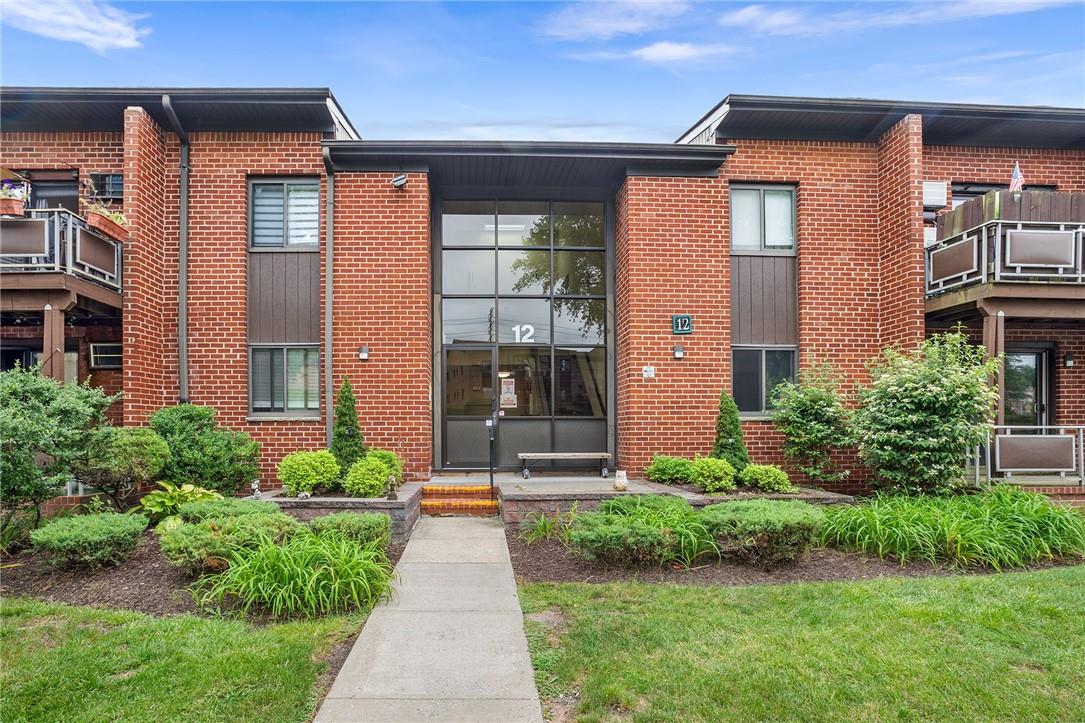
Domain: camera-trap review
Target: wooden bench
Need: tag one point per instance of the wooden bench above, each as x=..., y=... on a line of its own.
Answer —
x=603, y=457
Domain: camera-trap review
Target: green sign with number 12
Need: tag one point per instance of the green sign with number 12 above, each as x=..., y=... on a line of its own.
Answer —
x=682, y=323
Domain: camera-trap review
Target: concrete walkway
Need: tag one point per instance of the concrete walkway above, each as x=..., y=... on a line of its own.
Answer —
x=450, y=644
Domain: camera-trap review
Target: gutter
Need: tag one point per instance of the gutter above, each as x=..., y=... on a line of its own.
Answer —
x=329, y=275
x=182, y=260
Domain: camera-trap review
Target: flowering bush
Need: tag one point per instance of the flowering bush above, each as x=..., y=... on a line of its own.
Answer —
x=814, y=421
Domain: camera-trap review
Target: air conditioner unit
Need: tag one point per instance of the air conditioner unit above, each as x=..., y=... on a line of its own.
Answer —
x=934, y=194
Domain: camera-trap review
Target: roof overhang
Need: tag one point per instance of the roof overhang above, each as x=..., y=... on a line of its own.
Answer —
x=197, y=109
x=855, y=119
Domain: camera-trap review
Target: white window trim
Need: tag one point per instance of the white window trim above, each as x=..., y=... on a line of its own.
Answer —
x=762, y=187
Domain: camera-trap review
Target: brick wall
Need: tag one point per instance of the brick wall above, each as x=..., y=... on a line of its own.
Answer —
x=382, y=300
x=86, y=152
x=1041, y=166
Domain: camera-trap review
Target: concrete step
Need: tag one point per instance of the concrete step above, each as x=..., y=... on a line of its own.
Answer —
x=472, y=492
x=448, y=505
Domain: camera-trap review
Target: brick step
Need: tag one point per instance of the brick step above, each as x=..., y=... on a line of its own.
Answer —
x=473, y=492
x=459, y=506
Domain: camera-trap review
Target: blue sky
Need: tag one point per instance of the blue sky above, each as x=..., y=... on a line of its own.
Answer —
x=627, y=71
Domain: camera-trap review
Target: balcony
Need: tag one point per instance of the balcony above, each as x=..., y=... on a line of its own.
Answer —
x=56, y=241
x=1004, y=238
x=1052, y=455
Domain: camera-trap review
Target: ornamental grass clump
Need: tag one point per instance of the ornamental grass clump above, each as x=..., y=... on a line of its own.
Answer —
x=1003, y=528
x=308, y=575
x=210, y=544
x=93, y=540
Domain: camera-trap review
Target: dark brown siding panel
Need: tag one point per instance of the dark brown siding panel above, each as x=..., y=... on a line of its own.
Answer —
x=764, y=300
x=284, y=297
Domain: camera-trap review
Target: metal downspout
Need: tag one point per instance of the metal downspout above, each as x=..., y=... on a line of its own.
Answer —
x=182, y=260
x=329, y=275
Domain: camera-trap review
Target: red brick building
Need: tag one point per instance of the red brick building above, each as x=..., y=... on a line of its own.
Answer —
x=595, y=297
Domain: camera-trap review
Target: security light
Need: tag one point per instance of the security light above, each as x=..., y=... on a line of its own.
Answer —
x=679, y=351
x=363, y=353
x=399, y=181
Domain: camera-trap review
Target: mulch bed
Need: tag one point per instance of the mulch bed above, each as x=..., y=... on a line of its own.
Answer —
x=550, y=561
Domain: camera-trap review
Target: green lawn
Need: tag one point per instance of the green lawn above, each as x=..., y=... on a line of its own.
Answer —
x=63, y=663
x=978, y=648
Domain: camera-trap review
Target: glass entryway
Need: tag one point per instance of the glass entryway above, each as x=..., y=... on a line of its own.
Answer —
x=1026, y=400
x=523, y=289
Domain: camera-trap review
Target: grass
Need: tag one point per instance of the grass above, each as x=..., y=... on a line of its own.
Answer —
x=968, y=648
x=63, y=663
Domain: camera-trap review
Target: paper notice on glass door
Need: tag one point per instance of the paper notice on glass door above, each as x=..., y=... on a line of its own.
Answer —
x=508, y=393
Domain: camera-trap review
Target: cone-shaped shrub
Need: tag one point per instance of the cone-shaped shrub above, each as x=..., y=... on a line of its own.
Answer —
x=729, y=444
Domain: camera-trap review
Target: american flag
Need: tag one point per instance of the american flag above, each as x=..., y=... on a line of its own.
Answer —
x=1017, y=181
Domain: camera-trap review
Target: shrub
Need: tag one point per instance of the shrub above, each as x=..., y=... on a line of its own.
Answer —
x=167, y=501
x=713, y=475
x=814, y=421
x=924, y=411
x=615, y=540
x=104, y=539
x=310, y=574
x=367, y=478
x=348, y=445
x=767, y=478
x=305, y=471
x=763, y=532
x=363, y=528
x=210, y=544
x=1005, y=527
x=729, y=444
x=685, y=538
x=669, y=470
x=122, y=459
x=229, y=507
x=202, y=453
x=390, y=459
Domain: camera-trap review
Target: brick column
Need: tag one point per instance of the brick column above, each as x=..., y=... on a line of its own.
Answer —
x=671, y=256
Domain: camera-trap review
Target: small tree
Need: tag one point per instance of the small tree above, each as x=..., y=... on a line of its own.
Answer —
x=729, y=444
x=348, y=445
x=124, y=458
x=814, y=421
x=203, y=453
x=924, y=410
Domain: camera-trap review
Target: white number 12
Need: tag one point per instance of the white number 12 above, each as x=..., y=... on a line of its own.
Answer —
x=525, y=333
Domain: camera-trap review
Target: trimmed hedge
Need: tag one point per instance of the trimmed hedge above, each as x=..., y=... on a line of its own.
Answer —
x=713, y=475
x=230, y=507
x=368, y=477
x=210, y=544
x=362, y=527
x=617, y=540
x=767, y=478
x=763, y=532
x=391, y=460
x=305, y=471
x=669, y=470
x=96, y=540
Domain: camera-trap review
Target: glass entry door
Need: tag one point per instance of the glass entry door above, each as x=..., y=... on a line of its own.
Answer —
x=1026, y=388
x=469, y=402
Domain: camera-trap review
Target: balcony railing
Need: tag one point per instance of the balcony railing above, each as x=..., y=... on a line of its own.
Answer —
x=1000, y=245
x=56, y=240
x=1052, y=454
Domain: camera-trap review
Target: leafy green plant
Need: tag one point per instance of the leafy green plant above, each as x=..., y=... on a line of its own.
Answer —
x=348, y=444
x=121, y=459
x=729, y=444
x=1006, y=527
x=652, y=528
x=391, y=460
x=815, y=422
x=763, y=532
x=924, y=410
x=367, y=478
x=310, y=574
x=204, y=454
x=669, y=470
x=305, y=471
x=537, y=527
x=167, y=501
x=362, y=527
x=93, y=540
x=209, y=545
x=767, y=478
x=229, y=507
x=713, y=475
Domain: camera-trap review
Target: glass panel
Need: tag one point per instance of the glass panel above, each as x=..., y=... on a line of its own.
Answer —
x=580, y=321
x=468, y=382
x=524, y=321
x=523, y=381
x=267, y=214
x=524, y=272
x=302, y=379
x=467, y=320
x=745, y=219
x=578, y=224
x=523, y=223
x=746, y=379
x=467, y=272
x=266, y=377
x=581, y=382
x=303, y=209
x=579, y=273
x=1022, y=389
x=468, y=223
x=779, y=219
x=779, y=367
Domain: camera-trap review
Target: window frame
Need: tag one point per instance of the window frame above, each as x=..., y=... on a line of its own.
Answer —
x=283, y=181
x=286, y=413
x=95, y=355
x=100, y=187
x=764, y=412
x=761, y=188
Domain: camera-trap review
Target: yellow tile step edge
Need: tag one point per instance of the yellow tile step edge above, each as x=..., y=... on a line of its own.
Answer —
x=459, y=503
x=454, y=489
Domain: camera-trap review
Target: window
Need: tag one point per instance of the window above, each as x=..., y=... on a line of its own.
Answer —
x=105, y=356
x=285, y=380
x=285, y=214
x=107, y=187
x=762, y=219
x=756, y=372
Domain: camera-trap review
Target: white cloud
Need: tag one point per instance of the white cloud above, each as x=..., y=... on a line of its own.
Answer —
x=95, y=24
x=793, y=21
x=663, y=52
x=606, y=20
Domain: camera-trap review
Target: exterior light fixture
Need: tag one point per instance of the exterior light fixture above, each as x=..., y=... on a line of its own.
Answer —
x=1068, y=360
x=399, y=181
x=363, y=353
x=679, y=351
